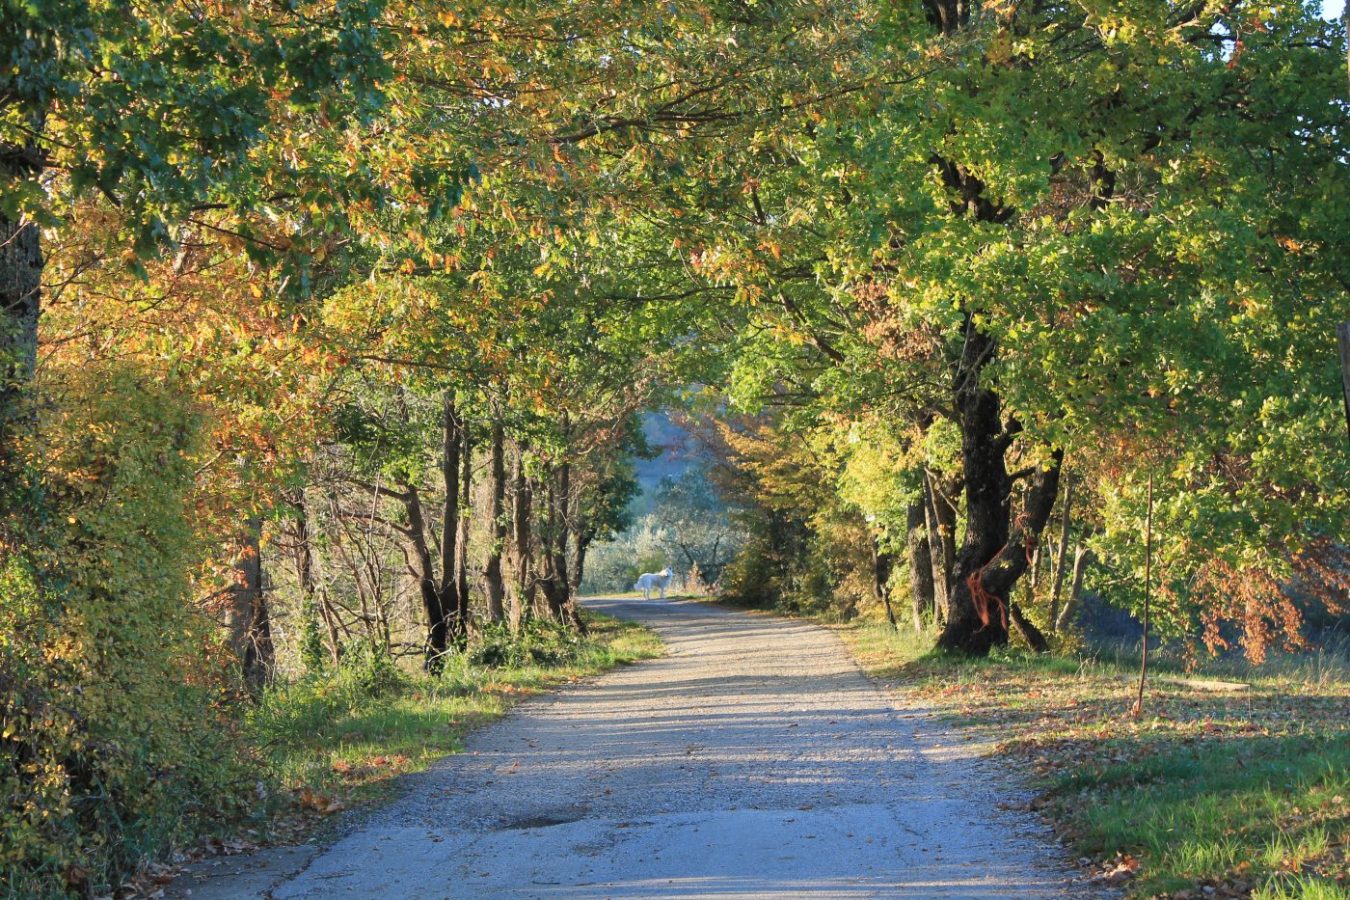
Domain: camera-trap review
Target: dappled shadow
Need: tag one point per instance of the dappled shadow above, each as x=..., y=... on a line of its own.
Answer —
x=753, y=759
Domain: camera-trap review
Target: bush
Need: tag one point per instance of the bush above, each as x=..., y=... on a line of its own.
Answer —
x=113, y=699
x=539, y=643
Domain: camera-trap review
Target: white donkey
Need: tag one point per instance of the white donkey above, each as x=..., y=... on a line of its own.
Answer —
x=650, y=580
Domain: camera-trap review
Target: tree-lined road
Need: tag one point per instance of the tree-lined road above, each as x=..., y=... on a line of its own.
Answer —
x=754, y=760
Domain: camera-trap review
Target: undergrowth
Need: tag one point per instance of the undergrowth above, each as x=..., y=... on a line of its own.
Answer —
x=343, y=738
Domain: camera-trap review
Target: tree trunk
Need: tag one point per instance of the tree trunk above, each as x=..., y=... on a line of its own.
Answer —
x=246, y=617
x=1035, y=639
x=310, y=589
x=462, y=551
x=1081, y=557
x=991, y=558
x=448, y=588
x=940, y=516
x=521, y=594
x=552, y=579
x=882, y=564
x=493, y=585
x=438, y=629
x=1057, y=586
x=559, y=530
x=581, y=543
x=920, y=563
x=20, y=295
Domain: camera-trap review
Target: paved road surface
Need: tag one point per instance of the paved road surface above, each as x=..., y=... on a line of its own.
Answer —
x=755, y=760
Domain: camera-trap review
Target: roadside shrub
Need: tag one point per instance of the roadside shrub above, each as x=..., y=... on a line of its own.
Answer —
x=538, y=643
x=368, y=671
x=112, y=697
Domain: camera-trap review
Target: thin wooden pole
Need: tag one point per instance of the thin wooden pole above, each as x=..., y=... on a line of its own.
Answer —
x=1148, y=578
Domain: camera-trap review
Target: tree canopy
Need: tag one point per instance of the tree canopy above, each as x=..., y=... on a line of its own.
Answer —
x=372, y=294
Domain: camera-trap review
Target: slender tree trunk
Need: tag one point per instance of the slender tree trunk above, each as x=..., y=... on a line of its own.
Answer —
x=246, y=616
x=560, y=529
x=553, y=568
x=521, y=594
x=921, y=587
x=493, y=585
x=438, y=628
x=581, y=543
x=448, y=588
x=310, y=589
x=1081, y=557
x=940, y=516
x=20, y=294
x=462, y=551
x=1057, y=587
x=991, y=558
x=882, y=565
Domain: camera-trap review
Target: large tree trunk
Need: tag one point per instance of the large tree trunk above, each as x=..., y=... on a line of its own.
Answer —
x=991, y=558
x=920, y=563
x=448, y=589
x=493, y=585
x=246, y=616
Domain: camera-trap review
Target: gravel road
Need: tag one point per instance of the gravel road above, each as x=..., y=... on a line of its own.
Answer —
x=755, y=760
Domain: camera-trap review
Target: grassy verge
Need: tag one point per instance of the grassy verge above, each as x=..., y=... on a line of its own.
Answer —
x=341, y=740
x=1228, y=793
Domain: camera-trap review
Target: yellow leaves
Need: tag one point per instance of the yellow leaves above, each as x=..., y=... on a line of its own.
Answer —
x=1000, y=49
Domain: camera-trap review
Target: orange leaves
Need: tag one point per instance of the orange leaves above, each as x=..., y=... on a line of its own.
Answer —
x=323, y=804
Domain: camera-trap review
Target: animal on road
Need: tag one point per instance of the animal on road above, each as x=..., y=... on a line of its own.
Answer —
x=649, y=581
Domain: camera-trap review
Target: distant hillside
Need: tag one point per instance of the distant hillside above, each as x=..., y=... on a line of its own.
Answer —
x=678, y=452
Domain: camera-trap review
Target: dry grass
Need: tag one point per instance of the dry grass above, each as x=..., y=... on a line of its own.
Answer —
x=1210, y=793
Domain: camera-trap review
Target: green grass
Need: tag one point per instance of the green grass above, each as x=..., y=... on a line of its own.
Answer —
x=343, y=739
x=1245, y=792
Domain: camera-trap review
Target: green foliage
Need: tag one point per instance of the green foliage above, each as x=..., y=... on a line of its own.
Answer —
x=118, y=740
x=537, y=643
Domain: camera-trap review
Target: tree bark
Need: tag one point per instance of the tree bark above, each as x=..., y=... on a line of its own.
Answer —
x=310, y=589
x=20, y=295
x=493, y=585
x=941, y=520
x=882, y=565
x=246, y=617
x=581, y=543
x=920, y=563
x=1081, y=557
x=520, y=597
x=462, y=551
x=438, y=629
x=1057, y=587
x=992, y=557
x=448, y=588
